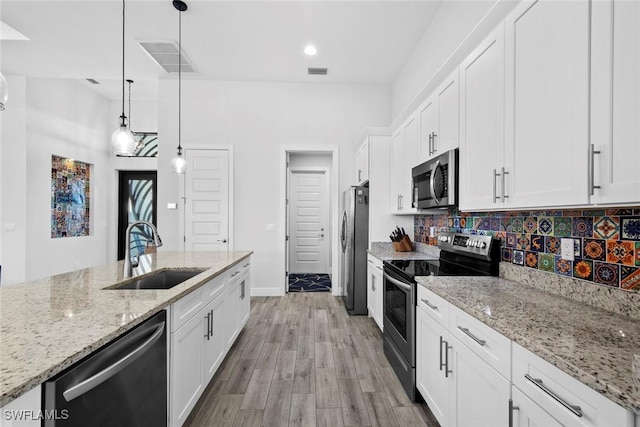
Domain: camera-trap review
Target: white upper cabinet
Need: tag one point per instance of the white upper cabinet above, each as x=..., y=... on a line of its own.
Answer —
x=547, y=104
x=482, y=123
x=439, y=120
x=362, y=162
x=615, y=102
x=404, y=155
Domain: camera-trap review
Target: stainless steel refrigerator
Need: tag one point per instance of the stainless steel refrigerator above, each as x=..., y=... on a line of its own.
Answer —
x=354, y=235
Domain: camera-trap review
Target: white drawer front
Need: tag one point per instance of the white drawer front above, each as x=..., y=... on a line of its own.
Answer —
x=374, y=260
x=491, y=346
x=563, y=397
x=183, y=309
x=434, y=305
x=213, y=288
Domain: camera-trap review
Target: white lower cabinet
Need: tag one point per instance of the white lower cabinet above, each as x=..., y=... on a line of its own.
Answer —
x=470, y=375
x=460, y=388
x=559, y=397
x=186, y=368
x=374, y=289
x=205, y=324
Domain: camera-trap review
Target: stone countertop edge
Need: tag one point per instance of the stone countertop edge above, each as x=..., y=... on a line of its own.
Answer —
x=39, y=342
x=384, y=251
x=570, y=335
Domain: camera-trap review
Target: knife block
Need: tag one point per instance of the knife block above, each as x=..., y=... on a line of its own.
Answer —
x=403, y=245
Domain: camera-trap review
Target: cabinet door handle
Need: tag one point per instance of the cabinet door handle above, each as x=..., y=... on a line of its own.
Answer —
x=441, y=363
x=431, y=306
x=495, y=184
x=208, y=334
x=401, y=197
x=378, y=267
x=359, y=175
x=242, y=290
x=473, y=337
x=430, y=142
x=511, y=409
x=235, y=274
x=447, y=371
x=575, y=410
x=211, y=322
x=433, y=142
x=504, y=181
x=592, y=184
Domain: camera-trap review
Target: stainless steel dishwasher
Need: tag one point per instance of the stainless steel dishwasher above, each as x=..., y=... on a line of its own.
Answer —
x=122, y=384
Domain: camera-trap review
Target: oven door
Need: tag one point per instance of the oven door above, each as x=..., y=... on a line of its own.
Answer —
x=399, y=314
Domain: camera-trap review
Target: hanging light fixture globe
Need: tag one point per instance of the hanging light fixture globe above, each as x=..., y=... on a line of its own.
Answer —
x=178, y=163
x=4, y=92
x=122, y=141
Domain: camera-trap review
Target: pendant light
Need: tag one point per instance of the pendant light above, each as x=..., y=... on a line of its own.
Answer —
x=122, y=140
x=178, y=163
x=4, y=92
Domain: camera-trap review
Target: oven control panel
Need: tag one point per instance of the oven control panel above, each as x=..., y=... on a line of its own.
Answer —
x=466, y=243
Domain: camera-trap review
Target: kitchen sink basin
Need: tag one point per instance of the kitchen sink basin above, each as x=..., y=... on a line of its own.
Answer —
x=164, y=279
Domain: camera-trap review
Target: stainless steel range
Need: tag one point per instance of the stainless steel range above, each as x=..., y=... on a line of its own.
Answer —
x=460, y=255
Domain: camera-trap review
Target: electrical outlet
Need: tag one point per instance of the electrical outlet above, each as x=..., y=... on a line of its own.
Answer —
x=567, y=249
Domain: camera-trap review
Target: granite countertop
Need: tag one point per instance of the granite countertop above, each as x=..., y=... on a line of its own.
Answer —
x=384, y=251
x=49, y=324
x=595, y=346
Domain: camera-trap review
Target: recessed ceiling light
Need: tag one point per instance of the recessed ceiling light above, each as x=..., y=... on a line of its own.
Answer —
x=310, y=50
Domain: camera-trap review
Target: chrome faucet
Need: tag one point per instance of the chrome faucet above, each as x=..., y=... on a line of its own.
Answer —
x=128, y=264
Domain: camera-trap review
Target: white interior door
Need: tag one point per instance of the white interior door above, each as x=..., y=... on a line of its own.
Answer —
x=309, y=239
x=207, y=200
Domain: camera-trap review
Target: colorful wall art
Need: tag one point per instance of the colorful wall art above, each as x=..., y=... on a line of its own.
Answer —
x=70, y=198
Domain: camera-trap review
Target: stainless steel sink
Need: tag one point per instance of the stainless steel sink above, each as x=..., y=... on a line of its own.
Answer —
x=164, y=279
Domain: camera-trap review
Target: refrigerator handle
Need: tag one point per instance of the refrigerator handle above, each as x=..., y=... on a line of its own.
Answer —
x=343, y=235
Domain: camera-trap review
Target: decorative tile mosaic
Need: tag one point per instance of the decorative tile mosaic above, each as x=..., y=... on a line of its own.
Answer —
x=606, y=227
x=546, y=262
x=630, y=228
x=595, y=249
x=70, y=198
x=620, y=252
x=606, y=241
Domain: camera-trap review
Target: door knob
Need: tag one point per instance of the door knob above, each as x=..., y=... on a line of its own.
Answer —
x=223, y=241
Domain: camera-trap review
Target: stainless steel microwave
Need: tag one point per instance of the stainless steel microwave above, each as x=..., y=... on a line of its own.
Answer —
x=435, y=182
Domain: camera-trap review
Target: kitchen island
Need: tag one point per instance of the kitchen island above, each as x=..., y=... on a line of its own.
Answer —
x=49, y=324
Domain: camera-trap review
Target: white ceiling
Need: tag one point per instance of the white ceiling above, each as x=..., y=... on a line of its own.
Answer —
x=359, y=41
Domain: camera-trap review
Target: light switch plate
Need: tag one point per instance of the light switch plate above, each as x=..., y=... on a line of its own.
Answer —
x=567, y=249
x=172, y=206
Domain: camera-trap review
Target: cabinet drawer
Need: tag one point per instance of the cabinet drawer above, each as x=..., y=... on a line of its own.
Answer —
x=374, y=261
x=434, y=305
x=213, y=288
x=563, y=397
x=183, y=309
x=491, y=346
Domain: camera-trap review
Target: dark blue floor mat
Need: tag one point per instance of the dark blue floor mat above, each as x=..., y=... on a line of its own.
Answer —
x=307, y=282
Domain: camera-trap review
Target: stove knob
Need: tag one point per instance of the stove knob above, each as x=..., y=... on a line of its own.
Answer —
x=483, y=245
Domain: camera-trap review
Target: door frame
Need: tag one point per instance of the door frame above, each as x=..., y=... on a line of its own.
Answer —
x=182, y=192
x=290, y=173
x=122, y=220
x=334, y=186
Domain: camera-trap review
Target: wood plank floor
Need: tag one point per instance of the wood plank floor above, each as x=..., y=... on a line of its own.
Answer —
x=302, y=360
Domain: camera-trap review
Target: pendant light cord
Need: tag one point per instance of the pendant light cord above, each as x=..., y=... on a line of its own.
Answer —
x=123, y=117
x=179, y=82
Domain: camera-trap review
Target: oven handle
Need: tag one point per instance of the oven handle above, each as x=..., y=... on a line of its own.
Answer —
x=398, y=283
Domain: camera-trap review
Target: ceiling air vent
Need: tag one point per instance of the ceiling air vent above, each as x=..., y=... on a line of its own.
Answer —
x=165, y=54
x=317, y=71
x=93, y=81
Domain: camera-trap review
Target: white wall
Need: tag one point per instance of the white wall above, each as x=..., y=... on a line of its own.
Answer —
x=257, y=119
x=13, y=185
x=65, y=118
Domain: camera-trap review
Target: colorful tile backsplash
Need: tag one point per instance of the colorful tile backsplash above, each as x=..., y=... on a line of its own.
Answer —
x=606, y=242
